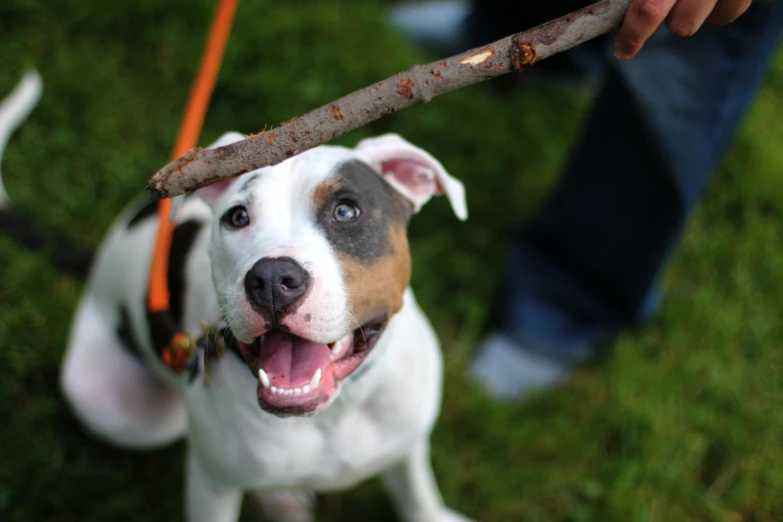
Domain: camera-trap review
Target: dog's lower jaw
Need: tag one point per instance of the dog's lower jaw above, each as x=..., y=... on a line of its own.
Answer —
x=309, y=409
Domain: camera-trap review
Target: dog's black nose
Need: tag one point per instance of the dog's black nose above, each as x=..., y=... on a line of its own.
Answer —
x=274, y=286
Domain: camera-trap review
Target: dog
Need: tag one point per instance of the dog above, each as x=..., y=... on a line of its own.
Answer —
x=332, y=373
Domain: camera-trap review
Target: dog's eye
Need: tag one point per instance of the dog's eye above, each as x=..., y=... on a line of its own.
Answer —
x=346, y=212
x=236, y=217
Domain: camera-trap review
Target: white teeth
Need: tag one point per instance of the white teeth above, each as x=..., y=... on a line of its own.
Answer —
x=316, y=380
x=263, y=377
x=339, y=348
x=304, y=390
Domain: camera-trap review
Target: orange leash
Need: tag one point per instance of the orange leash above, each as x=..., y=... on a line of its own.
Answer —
x=190, y=128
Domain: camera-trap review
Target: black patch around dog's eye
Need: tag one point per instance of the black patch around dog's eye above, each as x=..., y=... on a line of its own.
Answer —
x=365, y=237
x=236, y=217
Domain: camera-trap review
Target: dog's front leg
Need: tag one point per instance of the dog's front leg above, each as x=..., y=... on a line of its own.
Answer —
x=412, y=486
x=206, y=503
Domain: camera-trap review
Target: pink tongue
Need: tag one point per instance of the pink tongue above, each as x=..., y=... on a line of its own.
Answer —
x=289, y=360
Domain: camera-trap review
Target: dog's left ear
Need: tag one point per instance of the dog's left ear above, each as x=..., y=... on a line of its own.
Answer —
x=412, y=171
x=211, y=193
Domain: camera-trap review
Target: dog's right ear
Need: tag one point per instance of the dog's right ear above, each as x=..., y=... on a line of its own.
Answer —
x=211, y=193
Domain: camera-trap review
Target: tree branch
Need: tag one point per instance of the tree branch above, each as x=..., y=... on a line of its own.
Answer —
x=201, y=167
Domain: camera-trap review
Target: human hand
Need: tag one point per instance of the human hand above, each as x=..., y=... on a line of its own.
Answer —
x=683, y=18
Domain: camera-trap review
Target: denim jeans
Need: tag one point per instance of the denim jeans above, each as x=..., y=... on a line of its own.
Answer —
x=587, y=264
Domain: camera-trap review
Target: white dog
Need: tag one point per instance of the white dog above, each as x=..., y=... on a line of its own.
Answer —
x=336, y=372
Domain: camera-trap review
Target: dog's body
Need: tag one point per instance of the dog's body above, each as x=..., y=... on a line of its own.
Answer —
x=308, y=264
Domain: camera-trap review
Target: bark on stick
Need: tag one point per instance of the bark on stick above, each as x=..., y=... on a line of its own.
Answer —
x=201, y=167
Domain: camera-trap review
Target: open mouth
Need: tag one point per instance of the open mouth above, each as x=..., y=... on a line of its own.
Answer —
x=296, y=376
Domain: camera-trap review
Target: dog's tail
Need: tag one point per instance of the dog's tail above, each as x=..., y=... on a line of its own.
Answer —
x=14, y=109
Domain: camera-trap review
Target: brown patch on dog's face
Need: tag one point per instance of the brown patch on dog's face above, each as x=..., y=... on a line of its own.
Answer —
x=324, y=191
x=371, y=243
x=378, y=287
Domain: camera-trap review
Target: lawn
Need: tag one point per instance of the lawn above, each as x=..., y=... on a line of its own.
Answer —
x=682, y=421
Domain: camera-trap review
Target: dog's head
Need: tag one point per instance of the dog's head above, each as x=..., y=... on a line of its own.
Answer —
x=310, y=260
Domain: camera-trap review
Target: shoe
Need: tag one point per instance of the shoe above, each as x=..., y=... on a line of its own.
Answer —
x=507, y=371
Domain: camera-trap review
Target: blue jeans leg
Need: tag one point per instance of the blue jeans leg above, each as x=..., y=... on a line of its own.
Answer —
x=586, y=265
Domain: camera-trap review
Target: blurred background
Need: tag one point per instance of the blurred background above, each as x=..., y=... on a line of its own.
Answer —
x=681, y=421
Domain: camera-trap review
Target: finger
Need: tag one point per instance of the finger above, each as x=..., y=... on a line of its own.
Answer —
x=688, y=15
x=726, y=11
x=641, y=21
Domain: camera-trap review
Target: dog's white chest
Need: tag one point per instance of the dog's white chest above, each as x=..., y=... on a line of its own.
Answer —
x=301, y=454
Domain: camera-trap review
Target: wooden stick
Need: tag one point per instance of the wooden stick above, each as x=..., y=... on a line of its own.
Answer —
x=201, y=167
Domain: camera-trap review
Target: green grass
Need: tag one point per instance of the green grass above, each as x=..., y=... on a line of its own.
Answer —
x=681, y=422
